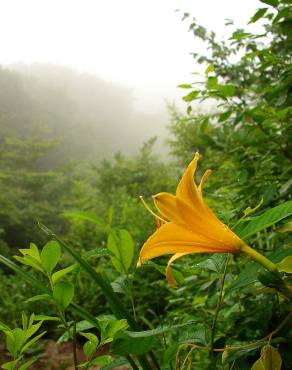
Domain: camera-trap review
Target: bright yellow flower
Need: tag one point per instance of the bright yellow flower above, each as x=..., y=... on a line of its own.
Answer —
x=189, y=225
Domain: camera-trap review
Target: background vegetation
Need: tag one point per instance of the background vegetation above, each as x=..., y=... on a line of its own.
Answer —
x=54, y=135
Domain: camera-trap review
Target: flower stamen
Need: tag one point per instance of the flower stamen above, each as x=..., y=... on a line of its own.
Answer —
x=157, y=218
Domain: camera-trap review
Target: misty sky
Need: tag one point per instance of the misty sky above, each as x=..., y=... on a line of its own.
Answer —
x=139, y=43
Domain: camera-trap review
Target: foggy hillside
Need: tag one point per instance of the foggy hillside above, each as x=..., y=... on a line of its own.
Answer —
x=89, y=117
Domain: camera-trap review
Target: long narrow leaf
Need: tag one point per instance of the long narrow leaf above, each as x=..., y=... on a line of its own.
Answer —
x=159, y=330
x=265, y=220
x=34, y=282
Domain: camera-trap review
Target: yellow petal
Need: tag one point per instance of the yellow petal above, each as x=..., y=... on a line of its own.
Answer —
x=168, y=273
x=203, y=180
x=171, y=238
x=208, y=226
x=183, y=214
x=166, y=205
x=187, y=189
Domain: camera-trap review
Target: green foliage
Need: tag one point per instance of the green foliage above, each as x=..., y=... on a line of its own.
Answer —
x=19, y=340
x=121, y=246
x=267, y=219
x=228, y=312
x=50, y=256
x=248, y=137
x=27, y=192
x=63, y=294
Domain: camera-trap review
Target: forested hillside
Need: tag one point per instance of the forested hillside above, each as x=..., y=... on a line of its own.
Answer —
x=87, y=117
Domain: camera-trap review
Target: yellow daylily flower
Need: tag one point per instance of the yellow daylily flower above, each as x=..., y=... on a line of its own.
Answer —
x=188, y=224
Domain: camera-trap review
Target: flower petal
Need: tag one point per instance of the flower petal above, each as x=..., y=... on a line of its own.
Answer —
x=203, y=224
x=168, y=273
x=187, y=189
x=183, y=214
x=171, y=238
x=166, y=205
x=204, y=178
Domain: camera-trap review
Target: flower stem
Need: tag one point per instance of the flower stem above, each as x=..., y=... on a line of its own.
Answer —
x=218, y=306
x=277, y=282
x=269, y=265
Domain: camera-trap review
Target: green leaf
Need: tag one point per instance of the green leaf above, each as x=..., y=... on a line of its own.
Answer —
x=11, y=365
x=267, y=219
x=110, y=215
x=80, y=326
x=229, y=356
x=102, y=360
x=97, y=252
x=113, y=246
x=225, y=115
x=273, y=3
x=50, y=256
x=246, y=277
x=85, y=216
x=33, y=251
x=209, y=69
x=39, y=297
x=258, y=14
x=31, y=330
x=121, y=285
x=3, y=326
x=91, y=337
x=285, y=265
x=189, y=110
x=59, y=274
x=249, y=274
x=89, y=348
x=204, y=125
x=113, y=299
x=185, y=86
x=32, y=341
x=63, y=294
x=122, y=247
x=198, y=334
x=213, y=263
x=126, y=248
x=81, y=312
x=14, y=341
x=115, y=363
x=239, y=35
x=30, y=261
x=270, y=359
x=286, y=228
x=159, y=330
x=110, y=328
x=46, y=318
x=27, y=364
x=227, y=90
x=137, y=346
x=191, y=96
x=24, y=275
x=212, y=83
x=24, y=320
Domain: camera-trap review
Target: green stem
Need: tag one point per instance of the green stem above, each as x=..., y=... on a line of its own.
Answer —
x=132, y=363
x=279, y=283
x=219, y=301
x=269, y=265
x=74, y=347
x=64, y=321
